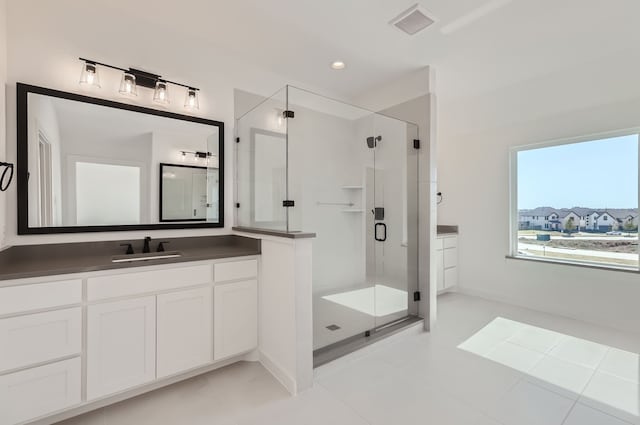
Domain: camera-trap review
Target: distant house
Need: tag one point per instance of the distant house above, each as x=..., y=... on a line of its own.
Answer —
x=583, y=219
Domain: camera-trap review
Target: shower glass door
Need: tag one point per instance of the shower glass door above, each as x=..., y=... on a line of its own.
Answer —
x=393, y=220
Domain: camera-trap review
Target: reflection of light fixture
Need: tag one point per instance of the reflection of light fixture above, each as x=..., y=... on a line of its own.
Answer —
x=161, y=94
x=338, y=65
x=89, y=75
x=279, y=118
x=191, y=101
x=197, y=154
x=128, y=84
x=132, y=78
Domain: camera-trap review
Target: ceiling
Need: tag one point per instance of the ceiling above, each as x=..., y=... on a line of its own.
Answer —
x=476, y=46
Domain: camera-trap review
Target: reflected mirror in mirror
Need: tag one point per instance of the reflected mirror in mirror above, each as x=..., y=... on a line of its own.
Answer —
x=269, y=178
x=185, y=194
x=94, y=165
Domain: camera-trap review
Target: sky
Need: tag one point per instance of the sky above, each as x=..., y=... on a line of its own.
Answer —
x=598, y=174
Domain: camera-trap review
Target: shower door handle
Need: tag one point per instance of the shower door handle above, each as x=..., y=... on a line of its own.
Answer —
x=375, y=232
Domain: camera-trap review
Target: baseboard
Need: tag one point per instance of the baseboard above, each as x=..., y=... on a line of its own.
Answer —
x=279, y=373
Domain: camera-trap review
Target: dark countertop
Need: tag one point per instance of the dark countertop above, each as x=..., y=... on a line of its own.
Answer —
x=446, y=229
x=27, y=261
x=277, y=233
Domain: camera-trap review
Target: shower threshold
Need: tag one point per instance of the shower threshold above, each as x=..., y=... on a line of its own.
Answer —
x=342, y=348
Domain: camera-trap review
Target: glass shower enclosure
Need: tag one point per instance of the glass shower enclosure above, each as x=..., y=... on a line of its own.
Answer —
x=307, y=163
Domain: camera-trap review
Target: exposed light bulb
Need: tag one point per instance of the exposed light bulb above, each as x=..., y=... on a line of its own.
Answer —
x=191, y=100
x=161, y=94
x=128, y=84
x=89, y=74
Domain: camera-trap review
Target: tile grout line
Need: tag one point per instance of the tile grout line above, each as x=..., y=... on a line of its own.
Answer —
x=573, y=406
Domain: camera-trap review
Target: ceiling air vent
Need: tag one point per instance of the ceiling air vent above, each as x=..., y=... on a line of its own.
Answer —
x=413, y=20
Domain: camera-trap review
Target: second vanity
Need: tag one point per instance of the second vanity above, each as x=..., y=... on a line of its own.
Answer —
x=109, y=331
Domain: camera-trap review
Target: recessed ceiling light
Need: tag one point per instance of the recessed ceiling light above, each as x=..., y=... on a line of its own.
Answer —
x=338, y=65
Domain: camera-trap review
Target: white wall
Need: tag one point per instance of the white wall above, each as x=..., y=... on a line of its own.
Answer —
x=3, y=80
x=43, y=49
x=475, y=137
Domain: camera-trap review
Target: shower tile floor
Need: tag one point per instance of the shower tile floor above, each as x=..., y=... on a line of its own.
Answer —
x=355, y=311
x=486, y=363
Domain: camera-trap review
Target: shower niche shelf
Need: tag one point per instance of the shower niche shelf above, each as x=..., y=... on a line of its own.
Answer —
x=352, y=187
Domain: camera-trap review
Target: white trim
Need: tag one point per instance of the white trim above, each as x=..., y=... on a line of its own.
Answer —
x=279, y=373
x=513, y=184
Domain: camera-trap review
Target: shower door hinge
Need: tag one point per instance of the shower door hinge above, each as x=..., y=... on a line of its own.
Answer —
x=416, y=143
x=237, y=140
x=416, y=296
x=288, y=203
x=288, y=114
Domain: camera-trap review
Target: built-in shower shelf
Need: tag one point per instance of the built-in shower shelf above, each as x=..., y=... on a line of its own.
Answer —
x=352, y=187
x=352, y=210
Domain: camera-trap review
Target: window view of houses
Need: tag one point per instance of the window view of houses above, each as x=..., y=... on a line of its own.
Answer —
x=552, y=178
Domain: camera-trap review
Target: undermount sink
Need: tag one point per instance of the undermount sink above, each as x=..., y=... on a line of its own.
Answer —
x=129, y=258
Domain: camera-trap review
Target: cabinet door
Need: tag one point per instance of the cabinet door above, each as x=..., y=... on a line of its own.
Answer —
x=440, y=269
x=121, y=345
x=450, y=277
x=39, y=391
x=185, y=330
x=235, y=318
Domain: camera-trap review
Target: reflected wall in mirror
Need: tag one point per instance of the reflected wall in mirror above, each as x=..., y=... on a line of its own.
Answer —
x=87, y=164
x=268, y=178
x=185, y=194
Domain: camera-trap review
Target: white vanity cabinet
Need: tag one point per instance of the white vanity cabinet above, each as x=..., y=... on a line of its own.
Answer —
x=121, y=345
x=235, y=308
x=106, y=335
x=447, y=261
x=185, y=330
x=235, y=318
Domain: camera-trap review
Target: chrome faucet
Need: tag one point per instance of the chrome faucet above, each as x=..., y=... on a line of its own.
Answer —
x=146, y=248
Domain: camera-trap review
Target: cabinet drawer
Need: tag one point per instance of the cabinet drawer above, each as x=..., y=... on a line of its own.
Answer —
x=35, y=392
x=450, y=258
x=120, y=285
x=18, y=299
x=36, y=338
x=450, y=242
x=236, y=270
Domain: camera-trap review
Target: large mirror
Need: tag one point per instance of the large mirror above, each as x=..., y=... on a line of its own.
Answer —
x=87, y=164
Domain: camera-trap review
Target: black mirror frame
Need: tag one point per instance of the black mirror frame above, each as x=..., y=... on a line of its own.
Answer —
x=23, y=90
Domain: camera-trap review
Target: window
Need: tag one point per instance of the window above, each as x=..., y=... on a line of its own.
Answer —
x=599, y=175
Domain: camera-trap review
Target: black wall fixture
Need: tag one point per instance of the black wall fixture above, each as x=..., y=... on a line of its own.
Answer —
x=133, y=78
x=6, y=176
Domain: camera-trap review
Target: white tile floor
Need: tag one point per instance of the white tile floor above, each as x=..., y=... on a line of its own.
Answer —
x=555, y=372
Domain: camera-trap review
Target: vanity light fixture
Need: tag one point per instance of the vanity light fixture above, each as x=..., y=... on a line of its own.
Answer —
x=132, y=78
x=89, y=74
x=128, y=84
x=161, y=95
x=338, y=65
x=191, y=100
x=197, y=154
